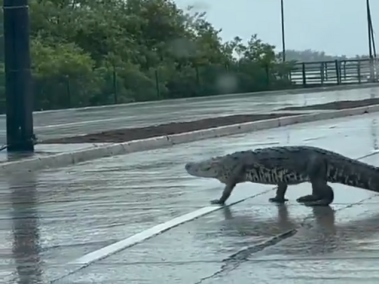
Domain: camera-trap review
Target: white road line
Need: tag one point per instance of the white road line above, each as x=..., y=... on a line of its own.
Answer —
x=82, y=122
x=107, y=251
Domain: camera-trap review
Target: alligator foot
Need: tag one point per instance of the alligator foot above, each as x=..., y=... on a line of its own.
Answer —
x=217, y=202
x=324, y=198
x=280, y=193
x=313, y=200
x=278, y=199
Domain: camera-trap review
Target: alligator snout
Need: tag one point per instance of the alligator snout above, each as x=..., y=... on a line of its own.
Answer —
x=188, y=166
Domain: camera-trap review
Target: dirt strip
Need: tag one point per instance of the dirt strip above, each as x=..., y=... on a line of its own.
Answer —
x=129, y=134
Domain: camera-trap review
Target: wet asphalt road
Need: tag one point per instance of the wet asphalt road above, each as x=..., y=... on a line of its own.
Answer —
x=63, y=123
x=52, y=217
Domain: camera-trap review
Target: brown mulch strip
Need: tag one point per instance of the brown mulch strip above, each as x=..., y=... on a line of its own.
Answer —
x=130, y=134
x=336, y=105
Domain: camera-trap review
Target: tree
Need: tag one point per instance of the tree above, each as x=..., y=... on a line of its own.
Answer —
x=309, y=55
x=93, y=52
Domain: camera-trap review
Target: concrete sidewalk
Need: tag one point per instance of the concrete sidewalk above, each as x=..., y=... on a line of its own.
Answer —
x=52, y=217
x=42, y=150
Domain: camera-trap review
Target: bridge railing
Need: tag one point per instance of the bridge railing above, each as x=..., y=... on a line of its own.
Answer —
x=311, y=74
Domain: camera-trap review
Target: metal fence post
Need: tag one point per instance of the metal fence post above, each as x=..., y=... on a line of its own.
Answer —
x=115, y=93
x=338, y=72
x=157, y=84
x=304, y=74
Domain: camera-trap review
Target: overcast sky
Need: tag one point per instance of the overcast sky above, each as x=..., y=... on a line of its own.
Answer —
x=335, y=26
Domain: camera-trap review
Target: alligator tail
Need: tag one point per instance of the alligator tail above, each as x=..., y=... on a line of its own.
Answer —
x=354, y=173
x=362, y=175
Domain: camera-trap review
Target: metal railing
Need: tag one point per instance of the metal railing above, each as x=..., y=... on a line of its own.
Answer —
x=311, y=74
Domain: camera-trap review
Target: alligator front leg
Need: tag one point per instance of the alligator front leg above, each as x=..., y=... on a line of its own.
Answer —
x=230, y=184
x=280, y=194
x=225, y=194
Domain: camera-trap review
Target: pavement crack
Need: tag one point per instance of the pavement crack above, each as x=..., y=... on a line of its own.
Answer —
x=233, y=261
x=245, y=252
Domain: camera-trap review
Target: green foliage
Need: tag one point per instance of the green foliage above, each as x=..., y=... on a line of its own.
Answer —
x=94, y=52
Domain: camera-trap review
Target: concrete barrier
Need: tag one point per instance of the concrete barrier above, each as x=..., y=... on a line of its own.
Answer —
x=65, y=159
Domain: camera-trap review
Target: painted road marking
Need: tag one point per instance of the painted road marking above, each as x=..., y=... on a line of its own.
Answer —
x=104, y=252
x=81, y=123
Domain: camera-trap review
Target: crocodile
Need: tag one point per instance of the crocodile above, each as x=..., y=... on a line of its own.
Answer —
x=288, y=165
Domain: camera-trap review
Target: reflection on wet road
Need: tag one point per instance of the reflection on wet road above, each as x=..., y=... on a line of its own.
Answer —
x=56, y=216
x=25, y=228
x=338, y=246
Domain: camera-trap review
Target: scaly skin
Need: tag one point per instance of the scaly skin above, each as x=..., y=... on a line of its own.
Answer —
x=288, y=165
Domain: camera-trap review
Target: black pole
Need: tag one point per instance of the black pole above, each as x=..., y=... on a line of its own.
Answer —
x=20, y=137
x=283, y=32
x=371, y=32
x=369, y=28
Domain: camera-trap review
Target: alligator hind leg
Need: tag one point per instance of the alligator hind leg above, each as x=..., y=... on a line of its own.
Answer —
x=322, y=193
x=280, y=194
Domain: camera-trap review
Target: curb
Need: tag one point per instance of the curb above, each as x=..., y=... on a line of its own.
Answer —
x=66, y=159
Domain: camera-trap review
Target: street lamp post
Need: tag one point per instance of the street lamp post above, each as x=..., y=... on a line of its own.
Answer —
x=283, y=31
x=369, y=28
x=19, y=113
x=371, y=43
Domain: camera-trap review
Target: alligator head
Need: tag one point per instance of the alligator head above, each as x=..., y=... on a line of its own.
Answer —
x=210, y=168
